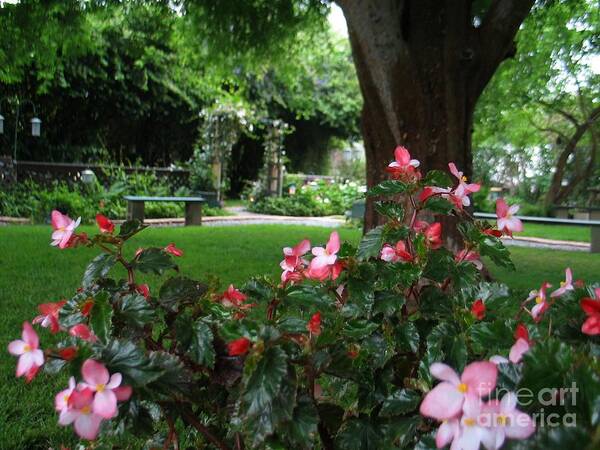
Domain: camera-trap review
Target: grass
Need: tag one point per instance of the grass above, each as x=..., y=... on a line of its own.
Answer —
x=33, y=273
x=558, y=232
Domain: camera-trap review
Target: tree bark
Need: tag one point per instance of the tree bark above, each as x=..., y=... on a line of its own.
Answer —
x=421, y=66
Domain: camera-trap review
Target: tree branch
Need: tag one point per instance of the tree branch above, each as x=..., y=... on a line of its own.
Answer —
x=496, y=34
x=552, y=107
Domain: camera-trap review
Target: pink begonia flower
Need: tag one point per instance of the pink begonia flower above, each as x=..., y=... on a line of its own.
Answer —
x=433, y=235
x=448, y=431
x=404, y=168
x=464, y=189
x=420, y=226
x=469, y=256
x=506, y=222
x=61, y=400
x=566, y=285
x=82, y=331
x=63, y=227
x=541, y=301
x=293, y=262
x=30, y=356
x=445, y=401
x=123, y=393
x=473, y=430
x=97, y=378
x=395, y=253
x=49, y=315
x=519, y=348
x=325, y=262
x=80, y=413
x=173, y=250
x=232, y=297
x=105, y=224
x=591, y=307
x=506, y=421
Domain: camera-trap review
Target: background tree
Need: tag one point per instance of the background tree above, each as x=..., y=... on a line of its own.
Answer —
x=544, y=135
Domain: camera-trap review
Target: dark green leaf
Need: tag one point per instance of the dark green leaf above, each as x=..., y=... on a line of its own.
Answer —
x=389, y=187
x=136, y=310
x=437, y=178
x=98, y=268
x=438, y=205
x=458, y=353
x=492, y=337
x=370, y=244
x=130, y=228
x=398, y=432
x=154, y=260
x=400, y=402
x=407, y=337
x=265, y=380
x=303, y=426
x=358, y=434
x=359, y=329
x=494, y=249
x=393, y=210
x=101, y=316
x=178, y=291
x=125, y=357
x=387, y=303
x=201, y=347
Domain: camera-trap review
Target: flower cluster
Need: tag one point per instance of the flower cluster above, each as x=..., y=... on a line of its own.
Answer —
x=324, y=264
x=468, y=419
x=87, y=404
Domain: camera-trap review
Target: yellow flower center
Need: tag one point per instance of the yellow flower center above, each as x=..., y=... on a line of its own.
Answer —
x=66, y=398
x=86, y=409
x=27, y=348
x=462, y=387
x=502, y=420
x=469, y=421
x=464, y=178
x=100, y=387
x=562, y=284
x=539, y=299
x=61, y=229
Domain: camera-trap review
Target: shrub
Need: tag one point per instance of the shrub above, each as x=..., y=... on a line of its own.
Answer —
x=314, y=199
x=342, y=352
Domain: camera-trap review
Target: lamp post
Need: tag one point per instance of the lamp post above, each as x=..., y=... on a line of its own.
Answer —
x=36, y=123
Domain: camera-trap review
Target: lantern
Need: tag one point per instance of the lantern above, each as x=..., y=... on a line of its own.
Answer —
x=87, y=176
x=36, y=127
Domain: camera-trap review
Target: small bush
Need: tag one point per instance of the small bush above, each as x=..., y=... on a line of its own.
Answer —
x=314, y=199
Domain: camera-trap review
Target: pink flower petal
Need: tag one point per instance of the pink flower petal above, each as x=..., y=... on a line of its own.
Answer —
x=24, y=364
x=87, y=426
x=115, y=381
x=521, y=426
x=94, y=372
x=105, y=404
x=123, y=393
x=518, y=350
x=445, y=373
x=480, y=377
x=447, y=431
x=443, y=402
x=333, y=246
x=17, y=348
x=30, y=336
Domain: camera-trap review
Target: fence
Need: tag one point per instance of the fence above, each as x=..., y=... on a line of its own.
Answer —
x=46, y=172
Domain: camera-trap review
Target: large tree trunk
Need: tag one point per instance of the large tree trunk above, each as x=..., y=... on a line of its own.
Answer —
x=422, y=65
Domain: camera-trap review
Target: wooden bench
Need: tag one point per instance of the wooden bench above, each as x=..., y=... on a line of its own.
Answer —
x=193, y=207
x=593, y=224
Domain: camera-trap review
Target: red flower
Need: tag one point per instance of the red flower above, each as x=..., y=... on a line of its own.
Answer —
x=82, y=331
x=521, y=332
x=492, y=232
x=87, y=307
x=404, y=168
x=478, y=309
x=49, y=315
x=143, y=289
x=433, y=235
x=105, y=224
x=68, y=353
x=173, y=250
x=314, y=324
x=239, y=346
x=232, y=297
x=591, y=307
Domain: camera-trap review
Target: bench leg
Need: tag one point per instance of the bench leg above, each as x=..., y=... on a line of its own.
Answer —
x=135, y=210
x=193, y=213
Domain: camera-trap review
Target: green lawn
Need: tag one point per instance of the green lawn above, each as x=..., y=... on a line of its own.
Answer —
x=33, y=273
x=559, y=232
